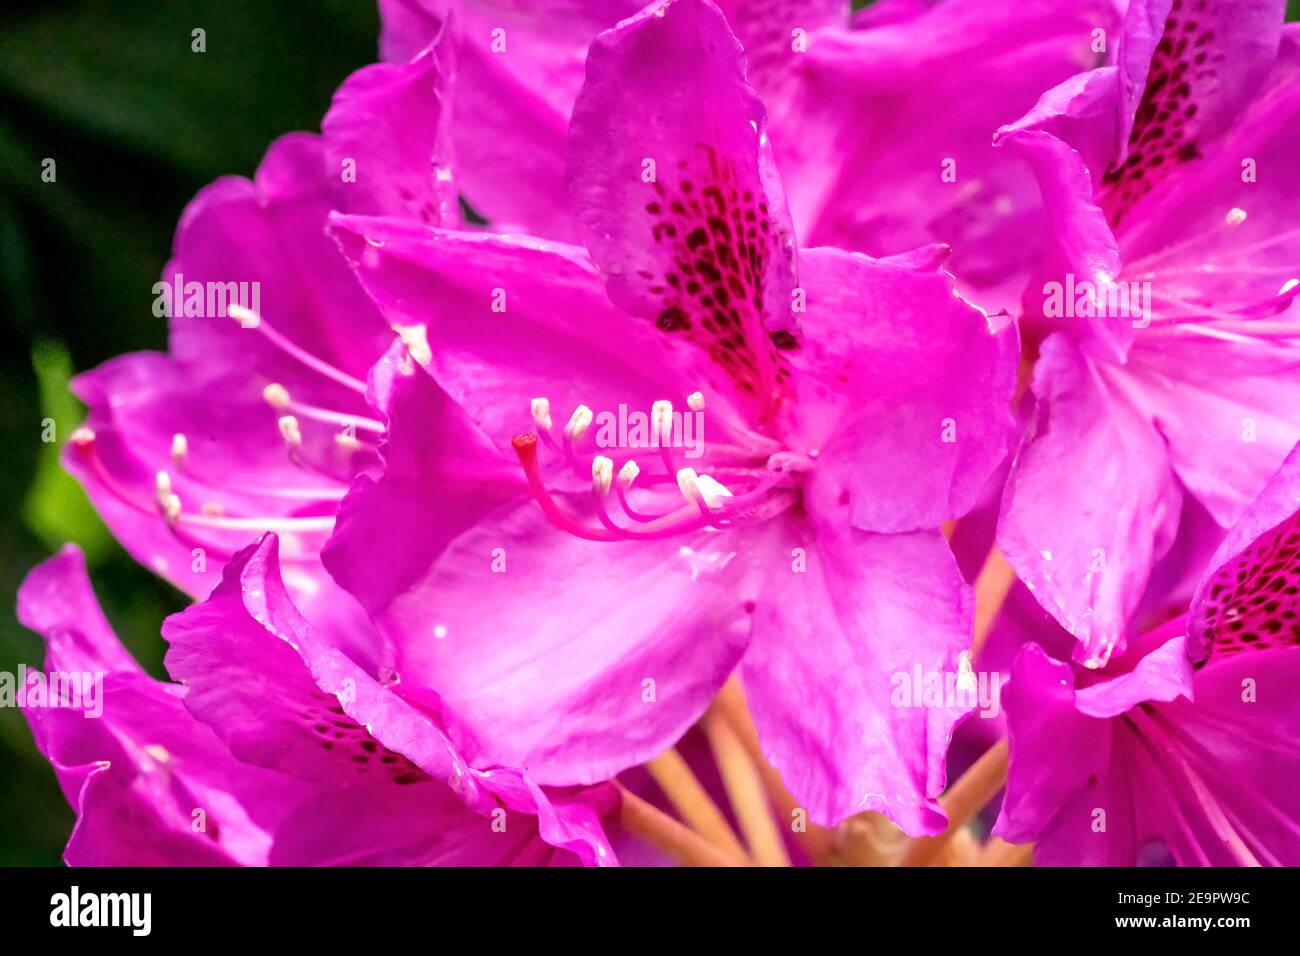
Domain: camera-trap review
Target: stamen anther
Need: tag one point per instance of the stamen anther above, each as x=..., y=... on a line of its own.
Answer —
x=695, y=401
x=162, y=487
x=578, y=423
x=627, y=474
x=688, y=482
x=247, y=318
x=542, y=413
x=180, y=450
x=277, y=396
x=290, y=431
x=712, y=491
x=602, y=474
x=168, y=502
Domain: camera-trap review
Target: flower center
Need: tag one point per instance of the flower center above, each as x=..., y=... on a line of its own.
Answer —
x=754, y=490
x=328, y=446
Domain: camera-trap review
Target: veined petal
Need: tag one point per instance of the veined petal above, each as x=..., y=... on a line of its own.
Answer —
x=270, y=231
x=278, y=697
x=1227, y=408
x=883, y=148
x=902, y=392
x=150, y=785
x=510, y=319
x=1089, y=455
x=1249, y=599
x=1186, y=72
x=387, y=139
x=677, y=194
x=570, y=659
x=846, y=623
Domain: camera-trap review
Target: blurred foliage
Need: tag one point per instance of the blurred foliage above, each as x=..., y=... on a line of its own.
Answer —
x=56, y=509
x=136, y=122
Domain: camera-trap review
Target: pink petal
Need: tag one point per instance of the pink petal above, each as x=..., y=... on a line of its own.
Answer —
x=903, y=392
x=1243, y=602
x=877, y=112
x=1090, y=455
x=832, y=647
x=387, y=138
x=676, y=192
x=279, y=697
x=510, y=319
x=134, y=765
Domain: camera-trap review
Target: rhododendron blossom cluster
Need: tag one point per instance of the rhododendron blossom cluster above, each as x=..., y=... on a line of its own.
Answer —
x=720, y=433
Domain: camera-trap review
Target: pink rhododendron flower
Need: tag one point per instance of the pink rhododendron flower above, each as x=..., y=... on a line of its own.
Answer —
x=1167, y=303
x=259, y=424
x=884, y=133
x=880, y=144
x=1149, y=755
x=325, y=765
x=577, y=614
x=637, y=512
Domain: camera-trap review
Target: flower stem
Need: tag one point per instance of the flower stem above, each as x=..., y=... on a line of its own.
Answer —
x=991, y=589
x=815, y=840
x=665, y=834
x=693, y=802
x=744, y=785
x=998, y=852
x=965, y=798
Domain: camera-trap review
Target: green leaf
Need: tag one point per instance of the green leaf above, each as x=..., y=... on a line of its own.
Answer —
x=56, y=509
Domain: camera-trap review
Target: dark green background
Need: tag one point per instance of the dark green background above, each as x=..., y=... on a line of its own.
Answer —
x=137, y=123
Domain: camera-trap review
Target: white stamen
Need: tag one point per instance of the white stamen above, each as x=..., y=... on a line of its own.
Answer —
x=1287, y=286
x=661, y=423
x=578, y=423
x=277, y=396
x=627, y=474
x=347, y=440
x=82, y=436
x=416, y=339
x=542, y=413
x=712, y=491
x=247, y=318
x=290, y=431
x=180, y=450
x=162, y=488
x=602, y=474
x=688, y=483
x=1235, y=216
x=171, y=508
x=695, y=401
